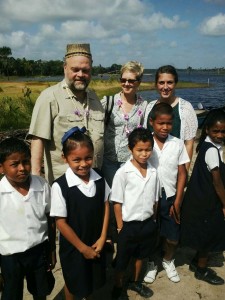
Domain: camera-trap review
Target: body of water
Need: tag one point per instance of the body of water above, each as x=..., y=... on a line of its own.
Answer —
x=212, y=96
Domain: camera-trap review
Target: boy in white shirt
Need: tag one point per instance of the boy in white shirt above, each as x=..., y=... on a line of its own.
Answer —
x=169, y=158
x=134, y=193
x=25, y=225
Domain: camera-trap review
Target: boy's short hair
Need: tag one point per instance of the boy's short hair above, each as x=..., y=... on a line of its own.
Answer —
x=140, y=135
x=161, y=108
x=13, y=145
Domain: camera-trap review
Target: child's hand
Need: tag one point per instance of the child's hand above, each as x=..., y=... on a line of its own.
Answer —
x=175, y=212
x=89, y=253
x=98, y=245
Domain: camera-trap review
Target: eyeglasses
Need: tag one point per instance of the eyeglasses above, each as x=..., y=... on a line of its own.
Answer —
x=124, y=80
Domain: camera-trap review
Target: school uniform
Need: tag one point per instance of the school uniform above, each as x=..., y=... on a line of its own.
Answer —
x=137, y=194
x=83, y=207
x=166, y=161
x=202, y=218
x=23, y=237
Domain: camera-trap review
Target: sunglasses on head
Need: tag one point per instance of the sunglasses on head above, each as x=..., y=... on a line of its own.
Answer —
x=124, y=80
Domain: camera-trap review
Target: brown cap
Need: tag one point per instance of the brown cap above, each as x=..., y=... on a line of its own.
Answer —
x=78, y=49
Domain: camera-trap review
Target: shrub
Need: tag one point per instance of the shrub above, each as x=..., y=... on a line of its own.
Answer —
x=15, y=112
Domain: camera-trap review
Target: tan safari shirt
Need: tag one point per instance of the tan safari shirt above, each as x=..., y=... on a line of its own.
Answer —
x=55, y=112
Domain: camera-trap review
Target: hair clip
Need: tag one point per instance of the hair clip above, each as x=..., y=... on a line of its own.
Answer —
x=71, y=132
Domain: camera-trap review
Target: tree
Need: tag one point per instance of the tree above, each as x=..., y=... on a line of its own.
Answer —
x=5, y=52
x=189, y=70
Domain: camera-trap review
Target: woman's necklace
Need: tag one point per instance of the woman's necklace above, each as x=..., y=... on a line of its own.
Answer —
x=85, y=112
x=126, y=117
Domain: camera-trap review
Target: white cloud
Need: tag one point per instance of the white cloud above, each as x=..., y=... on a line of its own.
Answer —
x=214, y=26
x=53, y=24
x=173, y=44
x=117, y=30
x=159, y=21
x=83, y=30
x=15, y=40
x=124, y=39
x=64, y=9
x=5, y=24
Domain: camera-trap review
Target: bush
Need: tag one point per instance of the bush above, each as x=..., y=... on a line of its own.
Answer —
x=15, y=112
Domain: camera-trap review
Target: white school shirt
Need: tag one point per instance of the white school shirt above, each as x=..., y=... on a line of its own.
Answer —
x=137, y=194
x=23, y=221
x=211, y=155
x=167, y=160
x=58, y=207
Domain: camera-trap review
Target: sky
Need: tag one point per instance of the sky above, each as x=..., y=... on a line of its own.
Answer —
x=184, y=33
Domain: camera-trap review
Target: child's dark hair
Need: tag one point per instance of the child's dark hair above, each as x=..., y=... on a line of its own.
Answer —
x=77, y=138
x=161, y=108
x=13, y=145
x=214, y=116
x=140, y=134
x=166, y=69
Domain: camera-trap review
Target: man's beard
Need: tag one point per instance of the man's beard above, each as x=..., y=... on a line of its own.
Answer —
x=79, y=87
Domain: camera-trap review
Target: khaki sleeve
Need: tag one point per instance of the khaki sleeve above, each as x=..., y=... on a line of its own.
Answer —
x=42, y=116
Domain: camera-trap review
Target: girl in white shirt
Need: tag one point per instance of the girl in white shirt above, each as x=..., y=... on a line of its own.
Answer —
x=203, y=209
x=81, y=209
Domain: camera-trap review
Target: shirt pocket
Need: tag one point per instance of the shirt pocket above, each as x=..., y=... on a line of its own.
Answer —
x=71, y=120
x=96, y=122
x=38, y=206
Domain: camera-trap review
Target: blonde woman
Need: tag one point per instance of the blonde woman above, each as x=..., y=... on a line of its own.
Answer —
x=127, y=114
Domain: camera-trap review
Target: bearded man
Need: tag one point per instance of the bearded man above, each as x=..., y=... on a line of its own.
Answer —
x=63, y=106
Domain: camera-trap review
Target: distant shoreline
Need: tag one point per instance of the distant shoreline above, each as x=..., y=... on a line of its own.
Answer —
x=101, y=87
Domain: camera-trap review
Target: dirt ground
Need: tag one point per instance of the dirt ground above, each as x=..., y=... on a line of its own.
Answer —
x=188, y=288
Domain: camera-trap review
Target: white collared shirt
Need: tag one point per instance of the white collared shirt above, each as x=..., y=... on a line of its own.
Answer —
x=58, y=207
x=23, y=221
x=137, y=194
x=211, y=155
x=167, y=160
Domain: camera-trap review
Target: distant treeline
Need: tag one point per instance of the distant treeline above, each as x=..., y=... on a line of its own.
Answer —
x=9, y=66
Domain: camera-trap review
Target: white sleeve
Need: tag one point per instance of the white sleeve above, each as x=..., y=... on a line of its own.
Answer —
x=212, y=158
x=158, y=189
x=118, y=187
x=184, y=157
x=58, y=205
x=190, y=120
x=147, y=111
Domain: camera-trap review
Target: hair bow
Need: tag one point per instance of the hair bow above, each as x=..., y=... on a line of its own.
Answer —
x=71, y=132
